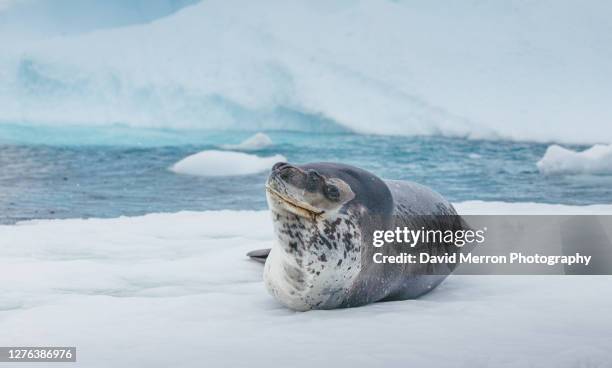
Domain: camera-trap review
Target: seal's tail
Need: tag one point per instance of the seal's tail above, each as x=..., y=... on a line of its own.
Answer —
x=259, y=255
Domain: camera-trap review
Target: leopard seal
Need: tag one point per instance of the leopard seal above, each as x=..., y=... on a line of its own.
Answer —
x=324, y=217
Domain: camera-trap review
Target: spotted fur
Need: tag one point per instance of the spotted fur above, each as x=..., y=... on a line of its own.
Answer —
x=316, y=262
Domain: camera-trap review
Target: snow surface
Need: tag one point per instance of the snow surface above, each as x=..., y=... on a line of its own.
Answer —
x=559, y=160
x=176, y=290
x=255, y=142
x=526, y=70
x=224, y=163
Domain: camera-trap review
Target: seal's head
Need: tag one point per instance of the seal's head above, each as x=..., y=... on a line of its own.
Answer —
x=306, y=192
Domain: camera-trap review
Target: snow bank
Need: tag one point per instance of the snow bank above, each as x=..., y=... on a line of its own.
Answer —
x=224, y=163
x=255, y=142
x=529, y=70
x=559, y=160
x=177, y=290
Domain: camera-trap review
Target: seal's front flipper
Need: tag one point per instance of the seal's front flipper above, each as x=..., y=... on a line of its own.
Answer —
x=259, y=255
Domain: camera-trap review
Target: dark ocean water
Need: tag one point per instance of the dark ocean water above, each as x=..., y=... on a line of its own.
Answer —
x=80, y=173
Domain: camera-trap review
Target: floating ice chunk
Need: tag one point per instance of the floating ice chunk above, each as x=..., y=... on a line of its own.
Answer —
x=559, y=160
x=254, y=142
x=224, y=163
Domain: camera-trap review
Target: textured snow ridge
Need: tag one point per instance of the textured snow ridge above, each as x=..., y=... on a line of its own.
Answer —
x=176, y=290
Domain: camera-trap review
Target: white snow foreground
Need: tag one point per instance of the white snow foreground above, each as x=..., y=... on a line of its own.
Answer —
x=176, y=290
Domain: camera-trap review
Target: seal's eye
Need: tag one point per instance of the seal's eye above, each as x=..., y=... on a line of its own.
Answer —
x=332, y=192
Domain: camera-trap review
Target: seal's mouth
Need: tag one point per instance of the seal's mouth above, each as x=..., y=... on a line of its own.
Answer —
x=301, y=209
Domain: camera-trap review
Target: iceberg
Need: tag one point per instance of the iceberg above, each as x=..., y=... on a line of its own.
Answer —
x=511, y=70
x=38, y=19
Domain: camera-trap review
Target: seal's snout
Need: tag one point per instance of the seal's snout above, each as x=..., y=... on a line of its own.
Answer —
x=286, y=172
x=282, y=170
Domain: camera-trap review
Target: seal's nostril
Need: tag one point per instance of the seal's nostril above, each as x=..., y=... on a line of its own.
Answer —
x=279, y=165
